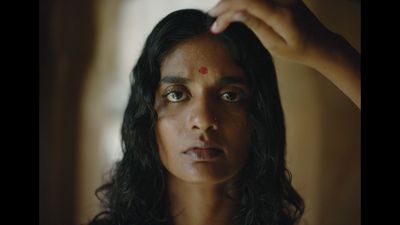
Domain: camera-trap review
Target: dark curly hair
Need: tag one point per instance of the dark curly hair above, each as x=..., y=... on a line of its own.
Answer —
x=136, y=192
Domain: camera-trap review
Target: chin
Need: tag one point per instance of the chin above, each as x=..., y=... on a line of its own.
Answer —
x=202, y=173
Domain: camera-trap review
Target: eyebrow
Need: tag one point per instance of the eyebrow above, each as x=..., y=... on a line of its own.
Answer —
x=233, y=80
x=174, y=80
x=225, y=80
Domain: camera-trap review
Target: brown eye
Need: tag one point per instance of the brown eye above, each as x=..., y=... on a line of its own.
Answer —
x=231, y=96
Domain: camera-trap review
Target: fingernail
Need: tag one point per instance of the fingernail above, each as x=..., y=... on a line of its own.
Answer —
x=214, y=27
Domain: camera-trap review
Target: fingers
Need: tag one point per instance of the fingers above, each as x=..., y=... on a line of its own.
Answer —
x=285, y=27
x=223, y=21
x=268, y=36
x=265, y=10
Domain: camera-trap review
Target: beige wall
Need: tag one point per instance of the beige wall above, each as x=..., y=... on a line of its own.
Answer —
x=324, y=128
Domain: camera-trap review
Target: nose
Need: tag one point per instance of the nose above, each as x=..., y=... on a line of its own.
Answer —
x=202, y=116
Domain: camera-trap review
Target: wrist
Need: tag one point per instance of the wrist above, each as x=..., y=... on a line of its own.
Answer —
x=340, y=63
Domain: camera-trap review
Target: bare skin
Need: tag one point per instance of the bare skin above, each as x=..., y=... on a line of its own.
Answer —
x=194, y=204
x=202, y=109
x=289, y=30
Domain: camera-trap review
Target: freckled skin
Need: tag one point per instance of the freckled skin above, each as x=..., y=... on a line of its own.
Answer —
x=204, y=114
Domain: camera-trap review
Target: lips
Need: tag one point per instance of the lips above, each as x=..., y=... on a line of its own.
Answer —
x=204, y=153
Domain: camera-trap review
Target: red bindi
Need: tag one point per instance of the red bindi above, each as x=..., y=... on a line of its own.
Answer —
x=203, y=70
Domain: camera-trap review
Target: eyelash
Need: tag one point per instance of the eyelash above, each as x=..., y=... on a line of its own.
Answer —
x=240, y=96
x=165, y=96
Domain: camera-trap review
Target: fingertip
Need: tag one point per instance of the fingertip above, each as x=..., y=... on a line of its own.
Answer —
x=211, y=31
x=214, y=28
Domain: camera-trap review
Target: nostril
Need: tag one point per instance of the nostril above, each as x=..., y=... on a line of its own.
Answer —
x=201, y=115
x=204, y=124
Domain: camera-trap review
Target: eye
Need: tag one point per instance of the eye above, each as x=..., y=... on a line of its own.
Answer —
x=231, y=96
x=175, y=96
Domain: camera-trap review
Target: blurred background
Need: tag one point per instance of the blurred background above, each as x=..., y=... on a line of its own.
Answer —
x=87, y=50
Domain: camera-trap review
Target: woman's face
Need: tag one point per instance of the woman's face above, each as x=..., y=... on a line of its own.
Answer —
x=202, y=128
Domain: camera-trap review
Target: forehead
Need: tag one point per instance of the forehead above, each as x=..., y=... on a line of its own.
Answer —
x=197, y=53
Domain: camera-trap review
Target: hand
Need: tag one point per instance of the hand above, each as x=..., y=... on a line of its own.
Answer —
x=288, y=29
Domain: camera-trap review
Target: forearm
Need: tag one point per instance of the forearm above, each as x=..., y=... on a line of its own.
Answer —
x=340, y=63
x=291, y=31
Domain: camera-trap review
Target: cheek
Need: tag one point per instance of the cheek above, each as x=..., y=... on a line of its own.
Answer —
x=236, y=124
x=165, y=130
x=237, y=133
x=168, y=133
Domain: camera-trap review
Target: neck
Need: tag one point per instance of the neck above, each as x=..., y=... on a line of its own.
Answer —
x=201, y=204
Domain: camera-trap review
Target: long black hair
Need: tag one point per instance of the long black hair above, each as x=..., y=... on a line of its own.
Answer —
x=136, y=192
